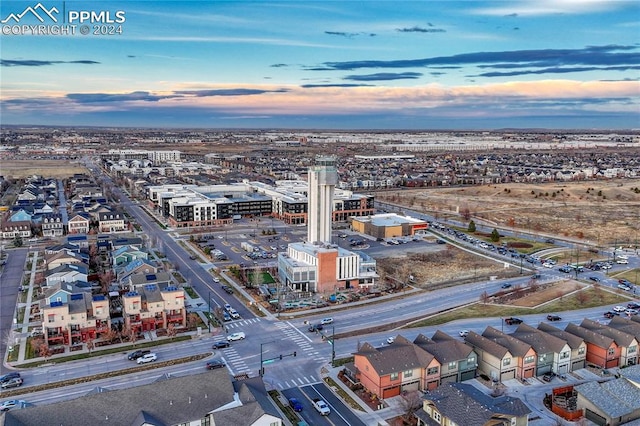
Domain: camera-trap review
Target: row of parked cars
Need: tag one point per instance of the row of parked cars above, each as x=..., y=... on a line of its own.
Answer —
x=11, y=380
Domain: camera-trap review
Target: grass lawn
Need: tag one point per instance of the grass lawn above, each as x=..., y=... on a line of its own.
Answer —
x=261, y=278
x=630, y=275
x=587, y=298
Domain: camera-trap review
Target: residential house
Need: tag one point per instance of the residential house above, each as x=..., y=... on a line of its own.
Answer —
x=80, y=240
x=64, y=257
x=458, y=360
x=627, y=342
x=525, y=358
x=16, y=229
x=135, y=242
x=207, y=398
x=67, y=273
x=612, y=402
x=52, y=225
x=79, y=224
x=22, y=215
x=138, y=266
x=138, y=280
x=463, y=404
x=389, y=370
x=126, y=254
x=554, y=354
x=602, y=350
x=576, y=343
x=494, y=360
x=149, y=307
x=61, y=247
x=112, y=221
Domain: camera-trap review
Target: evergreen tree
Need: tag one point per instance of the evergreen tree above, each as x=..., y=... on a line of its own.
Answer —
x=472, y=226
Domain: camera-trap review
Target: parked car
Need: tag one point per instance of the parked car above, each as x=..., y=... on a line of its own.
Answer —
x=513, y=321
x=236, y=336
x=216, y=280
x=11, y=383
x=631, y=312
x=295, y=404
x=633, y=305
x=221, y=344
x=548, y=377
x=9, y=376
x=326, y=321
x=147, y=358
x=553, y=318
x=12, y=403
x=390, y=340
x=506, y=285
x=227, y=289
x=624, y=287
x=619, y=308
x=137, y=354
x=216, y=363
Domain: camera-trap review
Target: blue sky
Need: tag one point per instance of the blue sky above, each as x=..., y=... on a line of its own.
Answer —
x=326, y=64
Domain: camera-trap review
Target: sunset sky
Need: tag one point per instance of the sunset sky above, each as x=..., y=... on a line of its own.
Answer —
x=570, y=64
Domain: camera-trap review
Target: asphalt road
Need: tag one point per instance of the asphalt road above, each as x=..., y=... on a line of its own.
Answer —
x=10, y=279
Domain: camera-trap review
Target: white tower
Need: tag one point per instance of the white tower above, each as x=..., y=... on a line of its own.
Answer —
x=323, y=177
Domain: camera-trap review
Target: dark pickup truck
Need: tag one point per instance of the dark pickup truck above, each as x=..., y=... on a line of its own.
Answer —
x=137, y=354
x=513, y=321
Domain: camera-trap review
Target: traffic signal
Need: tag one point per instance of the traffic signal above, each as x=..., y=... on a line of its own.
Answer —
x=294, y=353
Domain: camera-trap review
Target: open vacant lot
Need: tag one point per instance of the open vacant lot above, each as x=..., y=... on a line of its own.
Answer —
x=597, y=212
x=19, y=169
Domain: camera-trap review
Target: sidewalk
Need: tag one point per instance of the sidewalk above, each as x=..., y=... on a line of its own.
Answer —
x=24, y=327
x=395, y=405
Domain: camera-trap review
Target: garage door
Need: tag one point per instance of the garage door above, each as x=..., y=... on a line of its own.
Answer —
x=577, y=365
x=508, y=375
x=388, y=393
x=408, y=387
x=467, y=375
x=449, y=379
x=594, y=417
x=563, y=369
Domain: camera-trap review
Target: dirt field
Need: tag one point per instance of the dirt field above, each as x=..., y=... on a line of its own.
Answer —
x=19, y=169
x=603, y=213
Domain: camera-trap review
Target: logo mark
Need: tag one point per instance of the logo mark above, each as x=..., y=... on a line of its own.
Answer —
x=34, y=11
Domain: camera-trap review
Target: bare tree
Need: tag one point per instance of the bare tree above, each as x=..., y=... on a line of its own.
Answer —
x=484, y=297
x=411, y=402
x=106, y=278
x=171, y=331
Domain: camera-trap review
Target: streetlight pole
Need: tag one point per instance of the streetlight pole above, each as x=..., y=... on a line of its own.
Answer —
x=333, y=345
x=209, y=317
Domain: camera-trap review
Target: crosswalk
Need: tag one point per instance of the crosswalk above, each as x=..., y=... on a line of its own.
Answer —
x=234, y=362
x=241, y=323
x=292, y=334
x=298, y=381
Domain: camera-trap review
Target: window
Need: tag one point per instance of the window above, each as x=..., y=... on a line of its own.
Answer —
x=581, y=350
x=432, y=370
x=393, y=376
x=632, y=349
x=437, y=417
x=453, y=365
x=542, y=358
x=564, y=355
x=407, y=374
x=471, y=360
x=611, y=351
x=529, y=359
x=506, y=361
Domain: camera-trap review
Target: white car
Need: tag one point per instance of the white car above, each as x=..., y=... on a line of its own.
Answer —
x=619, y=308
x=631, y=312
x=12, y=403
x=239, y=336
x=624, y=287
x=147, y=358
x=216, y=280
x=622, y=261
x=463, y=333
x=326, y=321
x=390, y=340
